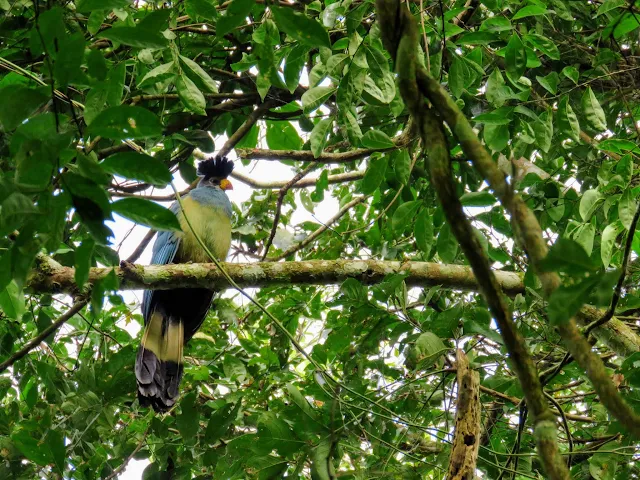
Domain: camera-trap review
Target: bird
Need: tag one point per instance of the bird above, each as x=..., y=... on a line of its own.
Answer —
x=172, y=317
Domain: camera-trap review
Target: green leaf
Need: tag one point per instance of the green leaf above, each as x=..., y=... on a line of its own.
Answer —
x=571, y=73
x=97, y=65
x=447, y=245
x=31, y=448
x=147, y=213
x=544, y=44
x=18, y=103
x=426, y=350
x=497, y=92
x=282, y=136
x=424, y=233
x=377, y=139
x=402, y=165
x=565, y=301
x=158, y=75
x=497, y=117
x=83, y=255
x=198, y=75
x=603, y=466
x=375, y=174
x=627, y=208
x=404, y=215
x=477, y=199
x=86, y=6
x=188, y=421
x=593, y=111
x=201, y=8
x=609, y=5
x=115, y=84
x=138, y=166
x=250, y=140
x=550, y=82
x=608, y=242
x=316, y=96
x=69, y=59
x=350, y=121
x=321, y=464
x=135, y=37
x=567, y=119
x=589, y=203
x=378, y=63
x=300, y=27
x=585, y=235
x=496, y=136
x=94, y=23
x=234, y=369
x=191, y=97
x=458, y=76
x=529, y=11
x=319, y=136
x=220, y=421
x=543, y=129
x=236, y=14
x=496, y=24
x=619, y=146
x=12, y=301
x=567, y=256
x=119, y=123
x=628, y=23
x=478, y=38
x=95, y=102
x=515, y=57
x=294, y=65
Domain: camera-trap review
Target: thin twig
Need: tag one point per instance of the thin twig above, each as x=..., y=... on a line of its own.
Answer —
x=252, y=182
x=321, y=230
x=400, y=141
x=281, y=195
x=34, y=342
x=121, y=468
x=251, y=120
x=618, y=290
x=565, y=424
x=141, y=247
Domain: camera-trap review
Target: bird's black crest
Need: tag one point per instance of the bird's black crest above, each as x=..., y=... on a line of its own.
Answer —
x=215, y=167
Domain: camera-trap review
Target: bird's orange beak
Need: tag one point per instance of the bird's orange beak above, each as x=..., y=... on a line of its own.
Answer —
x=226, y=184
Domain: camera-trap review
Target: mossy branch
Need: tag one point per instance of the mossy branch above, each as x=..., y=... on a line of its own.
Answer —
x=401, y=40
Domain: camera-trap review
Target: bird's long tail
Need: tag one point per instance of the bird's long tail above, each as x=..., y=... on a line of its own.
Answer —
x=159, y=362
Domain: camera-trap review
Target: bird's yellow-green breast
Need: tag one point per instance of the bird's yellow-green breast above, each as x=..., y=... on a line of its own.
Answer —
x=211, y=224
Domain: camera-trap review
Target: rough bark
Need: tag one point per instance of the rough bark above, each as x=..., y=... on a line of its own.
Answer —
x=320, y=272
x=466, y=439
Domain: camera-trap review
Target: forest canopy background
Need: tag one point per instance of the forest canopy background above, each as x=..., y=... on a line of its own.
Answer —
x=104, y=103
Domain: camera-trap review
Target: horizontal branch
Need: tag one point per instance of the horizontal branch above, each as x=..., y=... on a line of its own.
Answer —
x=318, y=272
x=305, y=182
x=306, y=155
x=254, y=183
x=400, y=141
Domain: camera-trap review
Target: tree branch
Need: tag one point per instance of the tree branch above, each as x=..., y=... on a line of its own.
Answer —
x=35, y=341
x=247, y=275
x=623, y=273
x=303, y=183
x=281, y=195
x=252, y=118
x=325, y=157
x=121, y=468
x=466, y=438
x=135, y=255
x=321, y=230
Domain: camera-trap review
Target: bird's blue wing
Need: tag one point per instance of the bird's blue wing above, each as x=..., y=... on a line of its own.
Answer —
x=164, y=251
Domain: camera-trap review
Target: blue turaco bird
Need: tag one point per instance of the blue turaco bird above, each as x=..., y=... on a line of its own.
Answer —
x=172, y=317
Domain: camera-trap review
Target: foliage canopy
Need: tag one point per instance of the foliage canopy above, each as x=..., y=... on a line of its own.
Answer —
x=106, y=99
